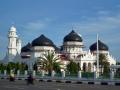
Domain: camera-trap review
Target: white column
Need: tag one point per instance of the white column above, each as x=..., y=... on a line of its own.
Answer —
x=18, y=73
x=11, y=71
x=34, y=73
x=79, y=74
x=63, y=74
x=43, y=73
x=26, y=73
x=53, y=74
x=111, y=74
x=95, y=75
x=30, y=65
x=5, y=72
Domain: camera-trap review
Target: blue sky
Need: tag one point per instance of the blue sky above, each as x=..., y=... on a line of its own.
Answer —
x=55, y=19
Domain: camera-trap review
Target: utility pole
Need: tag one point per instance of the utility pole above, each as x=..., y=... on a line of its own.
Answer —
x=97, y=68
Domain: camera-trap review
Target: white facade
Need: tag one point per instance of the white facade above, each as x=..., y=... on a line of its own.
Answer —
x=90, y=58
x=73, y=49
x=38, y=51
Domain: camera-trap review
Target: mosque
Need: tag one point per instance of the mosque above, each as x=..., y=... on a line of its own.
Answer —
x=71, y=49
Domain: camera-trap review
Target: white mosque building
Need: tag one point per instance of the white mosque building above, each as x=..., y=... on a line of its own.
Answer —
x=72, y=49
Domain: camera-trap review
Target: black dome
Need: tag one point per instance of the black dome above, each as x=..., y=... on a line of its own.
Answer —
x=101, y=46
x=72, y=36
x=26, y=48
x=42, y=41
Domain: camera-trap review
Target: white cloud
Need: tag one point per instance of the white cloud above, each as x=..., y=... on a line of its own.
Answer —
x=37, y=25
x=98, y=24
x=102, y=12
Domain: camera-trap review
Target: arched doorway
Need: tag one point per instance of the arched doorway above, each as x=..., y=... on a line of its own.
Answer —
x=84, y=67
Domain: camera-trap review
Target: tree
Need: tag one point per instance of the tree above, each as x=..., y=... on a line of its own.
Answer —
x=18, y=66
x=50, y=62
x=72, y=67
x=10, y=66
x=23, y=67
x=104, y=64
x=2, y=67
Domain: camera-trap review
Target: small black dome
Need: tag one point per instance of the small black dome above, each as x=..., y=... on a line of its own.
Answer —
x=72, y=36
x=26, y=48
x=101, y=46
x=42, y=41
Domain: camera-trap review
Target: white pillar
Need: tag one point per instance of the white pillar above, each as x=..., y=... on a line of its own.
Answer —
x=95, y=72
x=34, y=73
x=111, y=74
x=43, y=73
x=79, y=74
x=18, y=73
x=63, y=74
x=30, y=65
x=11, y=71
x=5, y=72
x=95, y=75
x=53, y=74
x=26, y=73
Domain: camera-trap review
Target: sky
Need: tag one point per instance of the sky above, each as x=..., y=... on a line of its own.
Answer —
x=56, y=18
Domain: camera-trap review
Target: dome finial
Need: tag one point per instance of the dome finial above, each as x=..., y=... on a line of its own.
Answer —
x=72, y=29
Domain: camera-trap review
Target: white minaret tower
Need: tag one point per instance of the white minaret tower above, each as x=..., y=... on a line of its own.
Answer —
x=12, y=47
x=18, y=45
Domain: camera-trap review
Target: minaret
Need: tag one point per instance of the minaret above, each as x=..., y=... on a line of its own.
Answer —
x=12, y=47
x=18, y=45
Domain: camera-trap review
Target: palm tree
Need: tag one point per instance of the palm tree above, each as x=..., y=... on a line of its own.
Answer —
x=50, y=62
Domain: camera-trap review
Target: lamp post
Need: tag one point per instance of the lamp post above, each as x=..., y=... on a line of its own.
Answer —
x=97, y=68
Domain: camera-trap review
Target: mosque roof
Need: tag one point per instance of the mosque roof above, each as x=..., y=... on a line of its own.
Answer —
x=101, y=45
x=42, y=41
x=73, y=36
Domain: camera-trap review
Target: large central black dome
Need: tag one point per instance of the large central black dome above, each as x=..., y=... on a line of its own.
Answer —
x=101, y=46
x=72, y=36
x=42, y=41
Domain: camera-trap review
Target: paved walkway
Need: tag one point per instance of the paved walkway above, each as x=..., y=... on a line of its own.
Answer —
x=21, y=85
